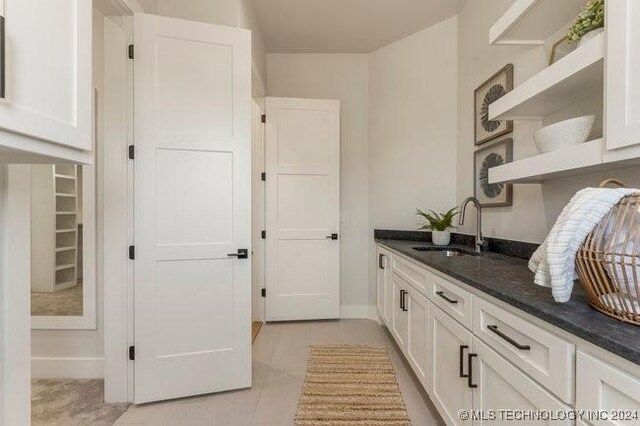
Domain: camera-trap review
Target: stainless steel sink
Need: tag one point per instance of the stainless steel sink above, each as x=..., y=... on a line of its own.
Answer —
x=446, y=251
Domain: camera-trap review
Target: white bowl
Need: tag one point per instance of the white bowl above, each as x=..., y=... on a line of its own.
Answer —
x=564, y=133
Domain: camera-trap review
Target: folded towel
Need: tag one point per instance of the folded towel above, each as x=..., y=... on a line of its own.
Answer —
x=554, y=261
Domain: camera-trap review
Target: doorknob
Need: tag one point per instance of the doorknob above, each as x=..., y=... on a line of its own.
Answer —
x=332, y=237
x=241, y=254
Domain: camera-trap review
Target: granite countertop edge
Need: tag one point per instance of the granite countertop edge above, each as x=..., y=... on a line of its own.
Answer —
x=560, y=319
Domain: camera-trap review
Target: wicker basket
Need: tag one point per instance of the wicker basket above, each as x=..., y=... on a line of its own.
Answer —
x=608, y=262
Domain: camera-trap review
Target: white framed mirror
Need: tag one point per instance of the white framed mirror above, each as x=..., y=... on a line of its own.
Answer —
x=63, y=247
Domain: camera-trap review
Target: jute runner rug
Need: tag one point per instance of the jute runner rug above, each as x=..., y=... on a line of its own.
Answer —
x=350, y=385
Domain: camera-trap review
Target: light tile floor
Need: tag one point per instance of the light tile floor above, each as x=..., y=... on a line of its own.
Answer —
x=279, y=362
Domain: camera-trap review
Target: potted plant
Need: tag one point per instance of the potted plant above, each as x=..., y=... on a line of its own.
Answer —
x=588, y=24
x=439, y=225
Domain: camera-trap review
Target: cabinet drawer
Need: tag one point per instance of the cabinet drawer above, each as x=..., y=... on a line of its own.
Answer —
x=542, y=355
x=415, y=275
x=453, y=300
x=600, y=386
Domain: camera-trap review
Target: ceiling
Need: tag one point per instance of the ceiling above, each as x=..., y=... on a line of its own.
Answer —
x=345, y=26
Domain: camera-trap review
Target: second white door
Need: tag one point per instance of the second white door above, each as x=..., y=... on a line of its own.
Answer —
x=303, y=209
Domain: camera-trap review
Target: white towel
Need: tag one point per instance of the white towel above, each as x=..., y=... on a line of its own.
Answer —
x=554, y=261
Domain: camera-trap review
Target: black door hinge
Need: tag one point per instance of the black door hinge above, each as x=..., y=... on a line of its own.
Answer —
x=130, y=51
x=263, y=176
x=264, y=292
x=132, y=152
x=264, y=118
x=132, y=353
x=264, y=234
x=132, y=252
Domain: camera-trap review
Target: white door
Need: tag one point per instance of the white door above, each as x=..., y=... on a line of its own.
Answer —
x=47, y=75
x=303, y=209
x=400, y=324
x=418, y=334
x=192, y=208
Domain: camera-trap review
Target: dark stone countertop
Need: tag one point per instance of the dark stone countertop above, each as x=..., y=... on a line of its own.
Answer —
x=510, y=280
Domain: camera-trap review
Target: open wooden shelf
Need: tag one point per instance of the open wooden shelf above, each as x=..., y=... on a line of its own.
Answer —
x=68, y=248
x=63, y=267
x=533, y=21
x=563, y=162
x=576, y=76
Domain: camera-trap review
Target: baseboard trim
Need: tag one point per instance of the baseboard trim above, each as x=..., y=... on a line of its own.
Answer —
x=355, y=312
x=67, y=368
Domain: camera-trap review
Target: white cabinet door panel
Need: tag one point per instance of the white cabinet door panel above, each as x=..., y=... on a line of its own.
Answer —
x=449, y=390
x=48, y=71
x=418, y=345
x=400, y=320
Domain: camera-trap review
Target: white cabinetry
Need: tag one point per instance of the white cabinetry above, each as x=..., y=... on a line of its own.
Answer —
x=600, y=386
x=47, y=108
x=501, y=386
x=607, y=66
x=400, y=320
x=449, y=388
x=623, y=74
x=469, y=353
x=418, y=343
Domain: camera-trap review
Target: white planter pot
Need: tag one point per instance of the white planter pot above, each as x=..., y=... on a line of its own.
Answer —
x=441, y=238
x=589, y=36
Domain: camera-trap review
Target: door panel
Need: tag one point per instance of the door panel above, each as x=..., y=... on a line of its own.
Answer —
x=418, y=333
x=192, y=208
x=400, y=326
x=449, y=391
x=302, y=149
x=501, y=386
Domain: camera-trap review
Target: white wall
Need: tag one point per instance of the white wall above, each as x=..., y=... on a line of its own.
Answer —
x=344, y=77
x=535, y=207
x=413, y=126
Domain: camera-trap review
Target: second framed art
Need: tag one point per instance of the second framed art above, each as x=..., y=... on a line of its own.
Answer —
x=491, y=90
x=492, y=194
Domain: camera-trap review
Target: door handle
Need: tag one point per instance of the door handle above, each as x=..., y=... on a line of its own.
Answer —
x=381, y=261
x=3, y=68
x=241, y=254
x=494, y=329
x=470, y=369
x=402, y=299
x=462, y=348
x=445, y=297
x=332, y=237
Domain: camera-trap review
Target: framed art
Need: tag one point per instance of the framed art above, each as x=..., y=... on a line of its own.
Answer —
x=492, y=194
x=491, y=90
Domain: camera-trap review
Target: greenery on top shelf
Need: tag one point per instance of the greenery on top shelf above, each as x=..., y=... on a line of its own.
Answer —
x=591, y=18
x=438, y=221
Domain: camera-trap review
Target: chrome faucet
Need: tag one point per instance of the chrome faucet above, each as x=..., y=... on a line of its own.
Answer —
x=479, y=240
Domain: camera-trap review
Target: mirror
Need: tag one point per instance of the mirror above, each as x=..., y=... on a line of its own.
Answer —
x=62, y=247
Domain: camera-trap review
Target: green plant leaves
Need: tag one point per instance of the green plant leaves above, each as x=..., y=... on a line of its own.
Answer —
x=438, y=221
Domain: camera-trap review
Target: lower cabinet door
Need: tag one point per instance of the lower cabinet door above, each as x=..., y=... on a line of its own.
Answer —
x=418, y=344
x=400, y=320
x=381, y=281
x=504, y=394
x=448, y=386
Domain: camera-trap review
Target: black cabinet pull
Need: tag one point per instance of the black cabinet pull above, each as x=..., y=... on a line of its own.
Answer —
x=494, y=329
x=381, y=261
x=470, y=368
x=444, y=296
x=462, y=348
x=402, y=299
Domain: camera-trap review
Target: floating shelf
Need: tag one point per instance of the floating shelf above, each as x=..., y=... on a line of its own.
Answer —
x=61, y=194
x=63, y=231
x=61, y=249
x=60, y=176
x=63, y=267
x=563, y=162
x=533, y=21
x=66, y=213
x=574, y=77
